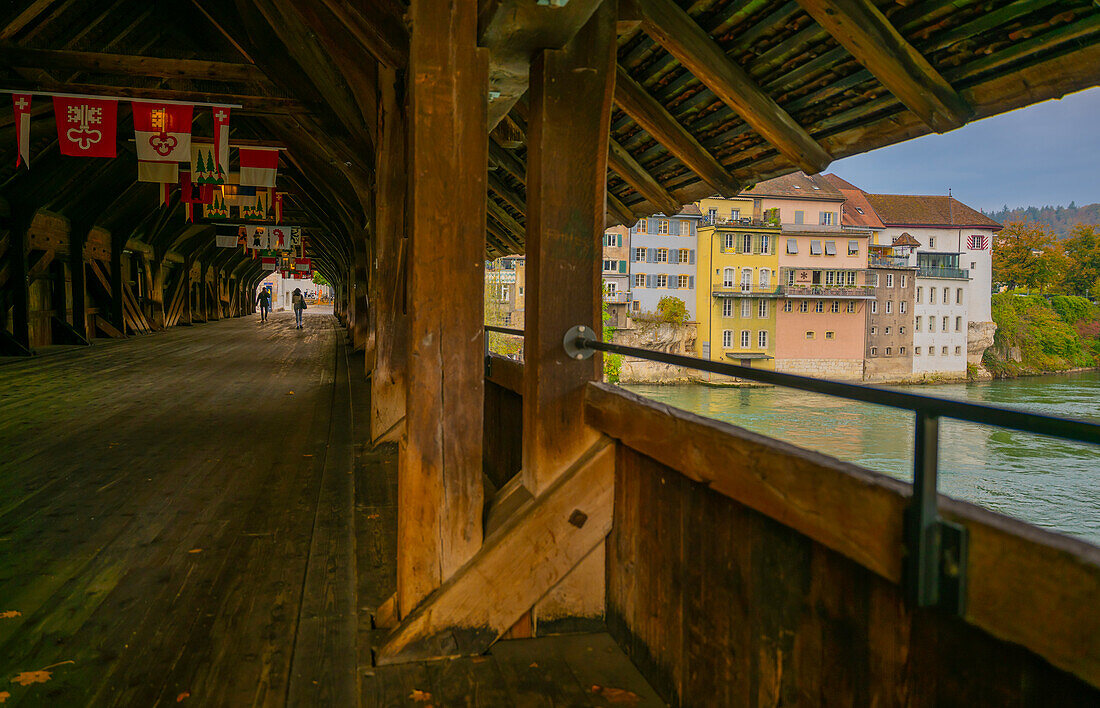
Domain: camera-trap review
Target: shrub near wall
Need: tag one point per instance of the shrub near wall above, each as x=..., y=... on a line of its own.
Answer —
x=1036, y=335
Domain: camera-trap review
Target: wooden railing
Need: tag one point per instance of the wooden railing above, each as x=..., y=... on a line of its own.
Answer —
x=743, y=570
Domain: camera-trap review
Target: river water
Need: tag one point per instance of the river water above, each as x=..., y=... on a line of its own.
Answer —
x=1052, y=483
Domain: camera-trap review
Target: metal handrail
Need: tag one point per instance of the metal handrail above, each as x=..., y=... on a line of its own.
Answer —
x=936, y=562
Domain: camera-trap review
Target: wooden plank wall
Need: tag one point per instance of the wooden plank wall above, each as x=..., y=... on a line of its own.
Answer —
x=502, y=446
x=718, y=604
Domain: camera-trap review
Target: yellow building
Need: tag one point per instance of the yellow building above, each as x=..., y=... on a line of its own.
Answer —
x=737, y=293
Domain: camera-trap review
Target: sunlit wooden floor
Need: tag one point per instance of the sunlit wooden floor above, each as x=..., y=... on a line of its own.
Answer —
x=186, y=517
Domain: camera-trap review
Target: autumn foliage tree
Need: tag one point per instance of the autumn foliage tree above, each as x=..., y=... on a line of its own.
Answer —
x=1026, y=256
x=1082, y=250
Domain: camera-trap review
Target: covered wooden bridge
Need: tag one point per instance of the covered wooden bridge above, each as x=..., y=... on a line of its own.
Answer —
x=233, y=515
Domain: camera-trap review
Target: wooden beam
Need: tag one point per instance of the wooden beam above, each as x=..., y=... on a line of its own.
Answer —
x=521, y=561
x=620, y=211
x=40, y=265
x=866, y=33
x=674, y=29
x=24, y=18
x=514, y=32
x=130, y=65
x=662, y=127
x=636, y=176
x=389, y=281
x=440, y=495
x=513, y=231
x=377, y=28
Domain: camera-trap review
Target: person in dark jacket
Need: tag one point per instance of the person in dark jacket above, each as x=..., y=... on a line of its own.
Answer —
x=298, y=301
x=264, y=301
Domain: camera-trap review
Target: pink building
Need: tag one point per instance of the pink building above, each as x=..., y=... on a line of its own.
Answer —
x=821, y=318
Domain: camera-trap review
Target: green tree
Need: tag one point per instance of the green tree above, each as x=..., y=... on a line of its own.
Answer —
x=1082, y=249
x=1025, y=256
x=319, y=279
x=672, y=309
x=612, y=363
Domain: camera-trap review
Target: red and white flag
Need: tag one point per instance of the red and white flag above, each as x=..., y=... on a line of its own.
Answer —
x=163, y=131
x=259, y=166
x=22, y=104
x=277, y=203
x=268, y=263
x=221, y=141
x=280, y=238
x=86, y=127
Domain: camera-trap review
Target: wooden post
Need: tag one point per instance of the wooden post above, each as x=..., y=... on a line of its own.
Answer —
x=358, y=313
x=78, y=236
x=187, y=316
x=18, y=285
x=388, y=281
x=571, y=94
x=440, y=495
x=117, y=318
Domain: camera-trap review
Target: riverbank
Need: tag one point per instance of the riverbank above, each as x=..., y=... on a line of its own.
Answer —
x=1037, y=335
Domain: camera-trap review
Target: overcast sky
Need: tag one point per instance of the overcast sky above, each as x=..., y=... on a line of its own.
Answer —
x=1048, y=153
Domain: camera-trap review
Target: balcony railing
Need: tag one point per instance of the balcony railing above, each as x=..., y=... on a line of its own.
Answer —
x=888, y=261
x=618, y=296
x=943, y=272
x=745, y=221
x=865, y=292
x=745, y=291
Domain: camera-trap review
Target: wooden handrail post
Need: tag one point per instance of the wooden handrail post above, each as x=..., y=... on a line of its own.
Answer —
x=440, y=496
x=388, y=273
x=571, y=93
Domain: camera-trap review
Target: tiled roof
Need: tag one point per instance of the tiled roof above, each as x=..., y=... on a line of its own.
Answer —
x=796, y=185
x=690, y=210
x=857, y=211
x=922, y=210
x=906, y=239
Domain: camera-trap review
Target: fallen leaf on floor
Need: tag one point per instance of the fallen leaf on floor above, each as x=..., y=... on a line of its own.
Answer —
x=290, y=393
x=8, y=614
x=180, y=697
x=420, y=696
x=534, y=665
x=373, y=516
x=195, y=550
x=4, y=696
x=616, y=695
x=28, y=677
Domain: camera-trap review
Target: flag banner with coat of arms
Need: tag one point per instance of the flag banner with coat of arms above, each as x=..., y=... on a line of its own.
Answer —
x=226, y=235
x=192, y=193
x=204, y=168
x=268, y=263
x=221, y=141
x=255, y=208
x=21, y=103
x=162, y=131
x=280, y=238
x=86, y=127
x=302, y=265
x=217, y=209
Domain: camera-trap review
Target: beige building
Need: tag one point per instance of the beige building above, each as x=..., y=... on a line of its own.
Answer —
x=505, y=280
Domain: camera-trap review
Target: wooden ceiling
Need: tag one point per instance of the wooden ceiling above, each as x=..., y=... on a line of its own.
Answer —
x=711, y=96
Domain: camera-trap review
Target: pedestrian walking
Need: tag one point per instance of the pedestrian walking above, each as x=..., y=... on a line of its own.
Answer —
x=299, y=303
x=265, y=304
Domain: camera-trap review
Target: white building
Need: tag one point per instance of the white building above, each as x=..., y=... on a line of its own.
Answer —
x=941, y=324
x=952, y=237
x=662, y=260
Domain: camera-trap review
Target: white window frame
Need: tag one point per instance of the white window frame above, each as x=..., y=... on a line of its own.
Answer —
x=660, y=281
x=746, y=308
x=662, y=227
x=762, y=339
x=727, y=339
x=662, y=255
x=639, y=280
x=727, y=307
x=682, y=282
x=762, y=309
x=729, y=276
x=746, y=338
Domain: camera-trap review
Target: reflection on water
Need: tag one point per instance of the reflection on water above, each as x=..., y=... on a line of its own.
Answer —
x=1051, y=483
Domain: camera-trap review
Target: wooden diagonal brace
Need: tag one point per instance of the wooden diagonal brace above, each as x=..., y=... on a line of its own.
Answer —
x=518, y=564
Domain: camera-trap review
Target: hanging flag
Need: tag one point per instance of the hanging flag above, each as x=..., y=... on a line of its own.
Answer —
x=217, y=209
x=189, y=212
x=86, y=127
x=21, y=102
x=221, y=142
x=268, y=263
x=258, y=166
x=302, y=265
x=158, y=171
x=165, y=194
x=225, y=235
x=203, y=168
x=163, y=131
x=280, y=238
x=236, y=195
x=295, y=236
x=276, y=201
x=191, y=193
x=256, y=237
x=256, y=207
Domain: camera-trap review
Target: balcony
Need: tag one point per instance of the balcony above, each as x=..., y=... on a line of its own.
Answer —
x=725, y=291
x=618, y=296
x=888, y=261
x=840, y=292
x=943, y=272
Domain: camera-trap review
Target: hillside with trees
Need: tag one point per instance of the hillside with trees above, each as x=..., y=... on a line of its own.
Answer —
x=1059, y=220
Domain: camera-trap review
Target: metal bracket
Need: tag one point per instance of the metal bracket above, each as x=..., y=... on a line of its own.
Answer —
x=575, y=334
x=935, y=567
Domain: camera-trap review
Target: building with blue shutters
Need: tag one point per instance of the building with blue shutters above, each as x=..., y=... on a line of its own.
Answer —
x=662, y=260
